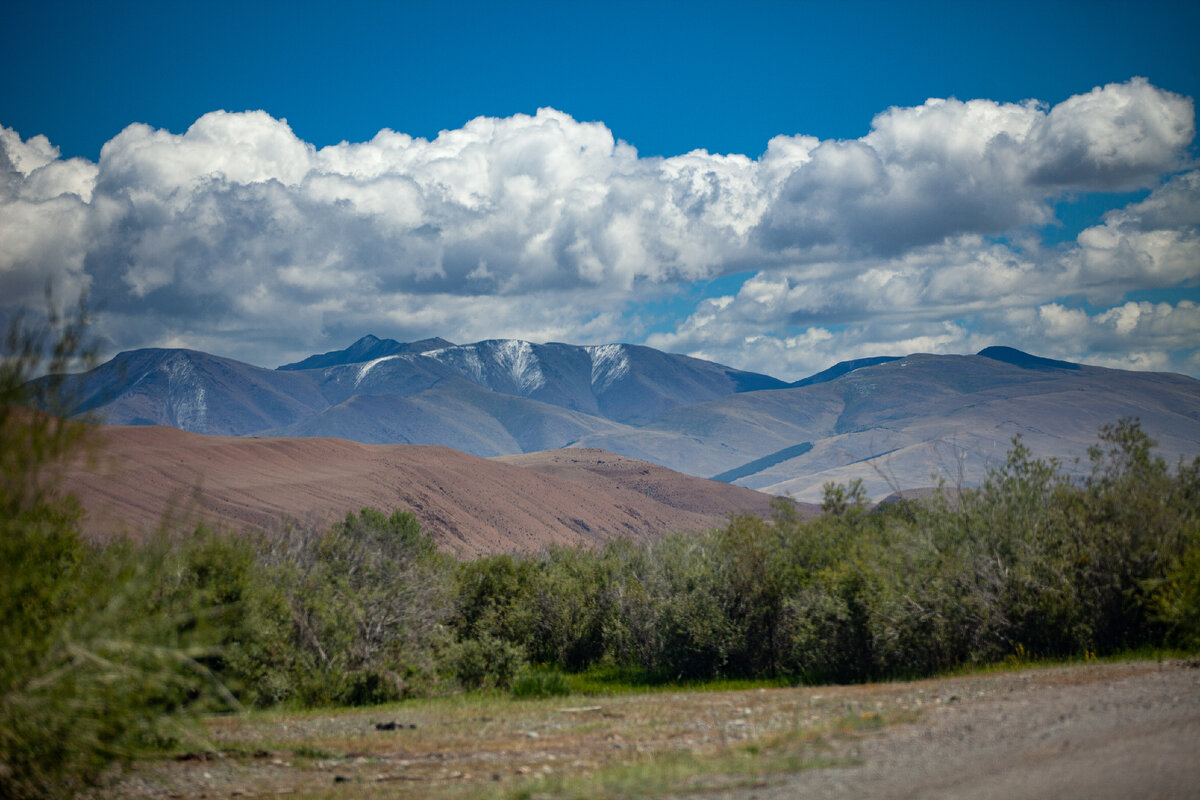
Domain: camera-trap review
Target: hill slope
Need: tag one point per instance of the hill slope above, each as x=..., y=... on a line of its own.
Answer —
x=471, y=506
x=897, y=424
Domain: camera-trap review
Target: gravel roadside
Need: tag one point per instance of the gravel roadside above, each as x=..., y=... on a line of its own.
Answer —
x=1075, y=735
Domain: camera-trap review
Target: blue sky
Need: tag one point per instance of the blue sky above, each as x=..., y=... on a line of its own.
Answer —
x=863, y=232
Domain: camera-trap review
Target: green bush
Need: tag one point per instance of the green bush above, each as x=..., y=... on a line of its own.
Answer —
x=1032, y=563
x=95, y=662
x=247, y=600
x=1177, y=601
x=492, y=598
x=486, y=662
x=364, y=604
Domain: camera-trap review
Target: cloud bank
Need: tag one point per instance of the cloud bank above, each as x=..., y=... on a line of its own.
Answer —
x=239, y=238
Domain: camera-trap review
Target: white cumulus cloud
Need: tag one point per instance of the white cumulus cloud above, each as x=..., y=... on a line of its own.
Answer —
x=239, y=237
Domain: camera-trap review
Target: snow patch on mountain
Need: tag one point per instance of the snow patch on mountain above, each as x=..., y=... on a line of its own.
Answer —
x=521, y=363
x=463, y=358
x=510, y=358
x=370, y=365
x=610, y=363
x=186, y=397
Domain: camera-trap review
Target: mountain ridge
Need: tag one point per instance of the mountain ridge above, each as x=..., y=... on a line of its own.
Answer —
x=895, y=422
x=365, y=349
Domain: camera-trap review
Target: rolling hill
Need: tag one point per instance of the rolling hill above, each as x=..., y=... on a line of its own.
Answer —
x=151, y=476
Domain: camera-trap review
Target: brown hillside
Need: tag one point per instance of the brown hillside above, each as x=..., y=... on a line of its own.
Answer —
x=471, y=506
x=588, y=466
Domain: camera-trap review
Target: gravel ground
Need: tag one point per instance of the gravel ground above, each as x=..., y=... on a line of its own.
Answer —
x=1124, y=730
x=1072, y=736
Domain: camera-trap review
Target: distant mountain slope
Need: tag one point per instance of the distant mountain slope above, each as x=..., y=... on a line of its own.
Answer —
x=622, y=382
x=193, y=391
x=900, y=423
x=842, y=368
x=761, y=464
x=711, y=438
x=453, y=412
x=365, y=349
x=1015, y=357
x=324, y=395
x=471, y=506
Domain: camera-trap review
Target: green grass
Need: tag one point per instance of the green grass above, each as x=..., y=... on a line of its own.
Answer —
x=613, y=681
x=306, y=751
x=541, y=682
x=1023, y=660
x=675, y=774
x=608, y=681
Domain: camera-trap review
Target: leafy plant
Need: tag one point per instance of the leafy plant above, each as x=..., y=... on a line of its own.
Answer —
x=93, y=664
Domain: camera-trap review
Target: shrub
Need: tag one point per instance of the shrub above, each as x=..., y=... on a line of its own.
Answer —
x=492, y=599
x=365, y=603
x=90, y=670
x=486, y=662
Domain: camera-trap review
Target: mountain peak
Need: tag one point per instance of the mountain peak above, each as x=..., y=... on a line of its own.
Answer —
x=1011, y=355
x=842, y=368
x=367, y=348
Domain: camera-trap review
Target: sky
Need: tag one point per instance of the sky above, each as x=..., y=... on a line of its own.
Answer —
x=776, y=186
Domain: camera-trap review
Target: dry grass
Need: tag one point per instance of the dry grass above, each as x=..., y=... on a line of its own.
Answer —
x=631, y=745
x=480, y=746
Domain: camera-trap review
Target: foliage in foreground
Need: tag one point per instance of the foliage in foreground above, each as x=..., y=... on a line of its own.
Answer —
x=95, y=663
x=1033, y=562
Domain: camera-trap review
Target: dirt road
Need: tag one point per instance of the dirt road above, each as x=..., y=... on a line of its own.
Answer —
x=1085, y=735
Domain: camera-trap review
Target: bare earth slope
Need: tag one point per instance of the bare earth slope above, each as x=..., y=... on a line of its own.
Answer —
x=586, y=466
x=471, y=506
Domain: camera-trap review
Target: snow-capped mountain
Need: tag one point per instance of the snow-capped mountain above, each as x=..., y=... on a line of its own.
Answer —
x=600, y=385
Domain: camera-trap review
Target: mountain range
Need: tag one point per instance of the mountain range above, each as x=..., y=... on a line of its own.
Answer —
x=893, y=422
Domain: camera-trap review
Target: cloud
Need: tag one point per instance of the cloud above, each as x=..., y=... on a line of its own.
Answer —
x=45, y=222
x=239, y=237
x=1120, y=136
x=1153, y=244
x=967, y=292
x=948, y=168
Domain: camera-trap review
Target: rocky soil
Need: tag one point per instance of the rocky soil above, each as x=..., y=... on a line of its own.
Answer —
x=1112, y=733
